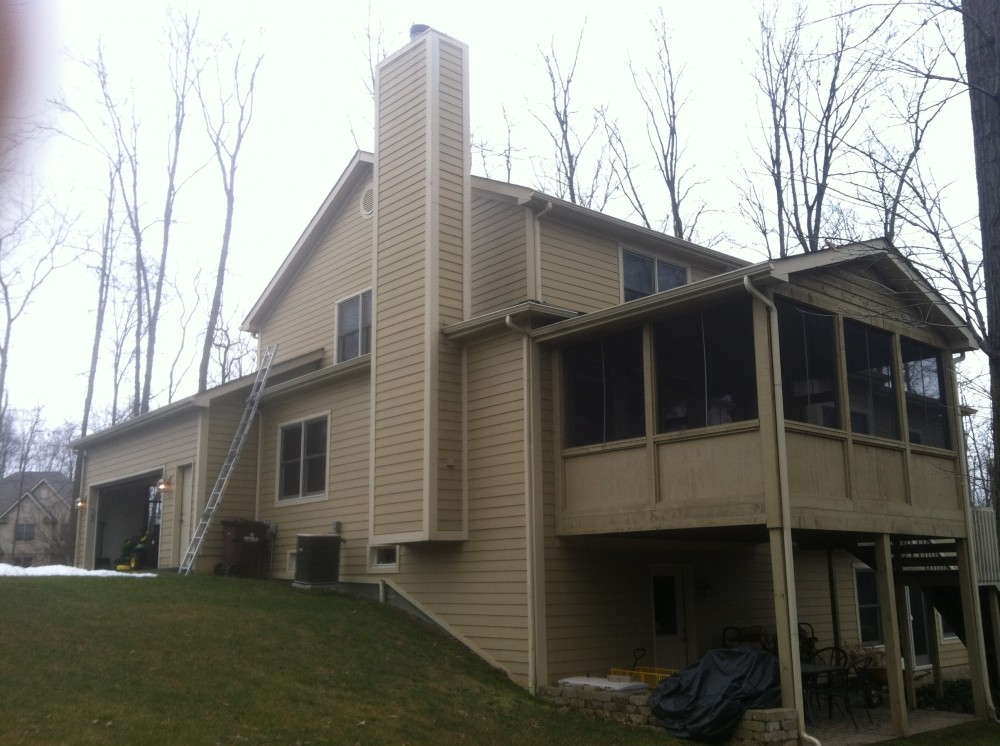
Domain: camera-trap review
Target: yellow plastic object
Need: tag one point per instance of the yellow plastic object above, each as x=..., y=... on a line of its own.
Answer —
x=647, y=675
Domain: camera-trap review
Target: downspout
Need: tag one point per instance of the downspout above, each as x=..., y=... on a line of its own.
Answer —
x=529, y=504
x=783, y=497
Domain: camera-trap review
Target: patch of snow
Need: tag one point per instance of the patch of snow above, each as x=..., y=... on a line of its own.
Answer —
x=8, y=571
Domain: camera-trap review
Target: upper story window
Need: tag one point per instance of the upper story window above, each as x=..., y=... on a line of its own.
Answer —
x=302, y=459
x=603, y=393
x=24, y=532
x=354, y=326
x=705, y=371
x=643, y=275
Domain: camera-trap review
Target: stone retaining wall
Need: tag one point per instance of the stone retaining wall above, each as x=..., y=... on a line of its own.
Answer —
x=775, y=726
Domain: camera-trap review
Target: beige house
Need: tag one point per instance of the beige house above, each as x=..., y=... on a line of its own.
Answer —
x=565, y=438
x=36, y=519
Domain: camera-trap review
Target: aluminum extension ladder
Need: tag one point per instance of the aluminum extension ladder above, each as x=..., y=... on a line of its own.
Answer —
x=215, y=499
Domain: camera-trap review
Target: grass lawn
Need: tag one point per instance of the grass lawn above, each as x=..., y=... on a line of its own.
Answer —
x=206, y=660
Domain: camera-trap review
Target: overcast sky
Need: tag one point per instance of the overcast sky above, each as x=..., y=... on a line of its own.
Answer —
x=311, y=103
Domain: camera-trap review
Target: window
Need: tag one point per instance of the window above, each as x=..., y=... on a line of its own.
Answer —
x=808, y=341
x=644, y=275
x=354, y=327
x=603, y=389
x=303, y=459
x=384, y=556
x=923, y=383
x=705, y=371
x=871, y=381
x=24, y=532
x=869, y=611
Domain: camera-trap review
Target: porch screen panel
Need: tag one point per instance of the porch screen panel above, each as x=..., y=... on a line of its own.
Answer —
x=604, y=393
x=808, y=341
x=705, y=373
x=926, y=405
x=870, y=381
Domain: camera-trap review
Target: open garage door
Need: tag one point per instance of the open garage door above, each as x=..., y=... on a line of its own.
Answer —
x=128, y=511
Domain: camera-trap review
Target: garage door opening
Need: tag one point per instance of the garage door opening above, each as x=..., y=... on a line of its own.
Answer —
x=128, y=524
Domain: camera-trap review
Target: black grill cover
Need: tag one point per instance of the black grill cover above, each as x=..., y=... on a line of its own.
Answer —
x=704, y=702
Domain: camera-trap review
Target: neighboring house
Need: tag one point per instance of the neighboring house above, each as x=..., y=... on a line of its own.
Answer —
x=36, y=519
x=563, y=437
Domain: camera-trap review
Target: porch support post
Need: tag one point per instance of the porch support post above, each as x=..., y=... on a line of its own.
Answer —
x=890, y=628
x=788, y=658
x=906, y=643
x=994, y=600
x=973, y=630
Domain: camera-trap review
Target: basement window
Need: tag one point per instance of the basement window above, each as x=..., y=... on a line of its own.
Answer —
x=603, y=388
x=869, y=611
x=385, y=557
x=705, y=369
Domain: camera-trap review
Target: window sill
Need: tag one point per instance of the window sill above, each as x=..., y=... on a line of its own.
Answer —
x=305, y=499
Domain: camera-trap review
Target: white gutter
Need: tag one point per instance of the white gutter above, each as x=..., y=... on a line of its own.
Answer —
x=785, y=503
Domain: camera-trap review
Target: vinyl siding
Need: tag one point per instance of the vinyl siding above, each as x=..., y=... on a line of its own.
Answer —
x=579, y=270
x=478, y=588
x=347, y=403
x=304, y=318
x=499, y=275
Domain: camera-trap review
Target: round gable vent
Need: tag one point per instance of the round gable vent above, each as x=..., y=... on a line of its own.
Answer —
x=367, y=202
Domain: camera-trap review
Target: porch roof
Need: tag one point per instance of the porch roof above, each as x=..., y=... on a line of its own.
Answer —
x=898, y=271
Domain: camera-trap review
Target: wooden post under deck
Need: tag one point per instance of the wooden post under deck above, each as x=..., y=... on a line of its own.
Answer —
x=890, y=629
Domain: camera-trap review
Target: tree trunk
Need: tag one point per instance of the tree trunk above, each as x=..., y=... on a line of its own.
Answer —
x=981, y=19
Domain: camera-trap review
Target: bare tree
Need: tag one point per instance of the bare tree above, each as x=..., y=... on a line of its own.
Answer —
x=227, y=119
x=660, y=90
x=33, y=244
x=590, y=186
x=814, y=96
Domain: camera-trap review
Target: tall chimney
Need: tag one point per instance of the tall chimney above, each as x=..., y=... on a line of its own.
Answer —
x=422, y=179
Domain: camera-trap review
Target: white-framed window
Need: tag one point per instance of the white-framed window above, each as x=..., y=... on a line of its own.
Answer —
x=384, y=558
x=354, y=326
x=869, y=609
x=24, y=532
x=644, y=275
x=302, y=450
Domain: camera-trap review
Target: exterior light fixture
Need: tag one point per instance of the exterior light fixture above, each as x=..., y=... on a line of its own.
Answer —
x=164, y=485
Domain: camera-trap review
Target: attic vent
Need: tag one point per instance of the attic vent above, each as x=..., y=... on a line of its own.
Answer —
x=367, y=203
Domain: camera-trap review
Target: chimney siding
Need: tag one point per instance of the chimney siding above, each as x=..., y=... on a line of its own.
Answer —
x=422, y=176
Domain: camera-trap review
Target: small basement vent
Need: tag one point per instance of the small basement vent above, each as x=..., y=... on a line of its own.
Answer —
x=367, y=203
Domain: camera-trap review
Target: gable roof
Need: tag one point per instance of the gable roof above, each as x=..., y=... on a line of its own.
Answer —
x=358, y=170
x=20, y=483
